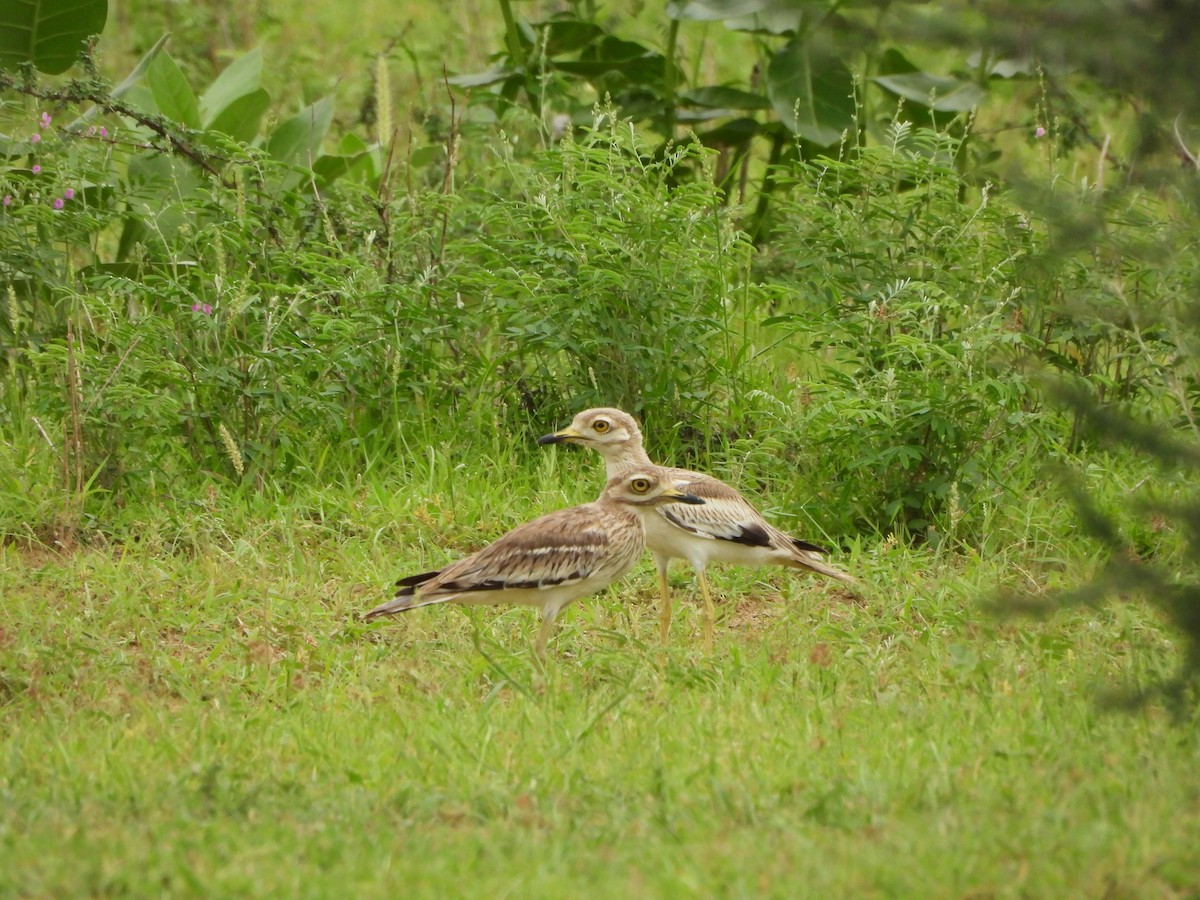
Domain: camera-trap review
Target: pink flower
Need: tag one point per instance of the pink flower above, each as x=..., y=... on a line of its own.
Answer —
x=58, y=202
x=34, y=138
x=35, y=169
x=205, y=308
x=8, y=199
x=103, y=131
x=44, y=121
x=69, y=194
x=1040, y=132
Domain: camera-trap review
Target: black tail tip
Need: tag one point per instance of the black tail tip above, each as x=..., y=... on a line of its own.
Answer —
x=811, y=548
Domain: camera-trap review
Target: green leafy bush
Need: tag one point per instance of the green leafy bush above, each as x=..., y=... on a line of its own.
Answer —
x=606, y=281
x=806, y=78
x=214, y=300
x=901, y=304
x=158, y=262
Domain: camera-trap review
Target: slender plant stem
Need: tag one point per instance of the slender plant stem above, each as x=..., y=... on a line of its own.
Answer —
x=670, y=79
x=512, y=37
x=758, y=222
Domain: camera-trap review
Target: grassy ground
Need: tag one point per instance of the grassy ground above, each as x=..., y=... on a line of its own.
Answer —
x=200, y=712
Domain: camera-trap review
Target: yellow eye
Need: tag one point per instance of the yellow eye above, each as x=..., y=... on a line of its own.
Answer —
x=601, y=425
x=640, y=485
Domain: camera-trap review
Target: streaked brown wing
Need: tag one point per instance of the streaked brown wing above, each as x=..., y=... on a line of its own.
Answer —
x=558, y=549
x=724, y=516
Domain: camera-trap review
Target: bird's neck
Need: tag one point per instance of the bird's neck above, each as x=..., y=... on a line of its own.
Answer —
x=630, y=512
x=617, y=462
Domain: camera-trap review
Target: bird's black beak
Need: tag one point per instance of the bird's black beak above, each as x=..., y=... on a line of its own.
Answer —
x=678, y=496
x=559, y=436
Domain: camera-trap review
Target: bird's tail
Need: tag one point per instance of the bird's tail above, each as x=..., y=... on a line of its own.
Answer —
x=406, y=597
x=807, y=559
x=831, y=571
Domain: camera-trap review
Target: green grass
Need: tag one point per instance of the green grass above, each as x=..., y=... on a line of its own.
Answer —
x=199, y=712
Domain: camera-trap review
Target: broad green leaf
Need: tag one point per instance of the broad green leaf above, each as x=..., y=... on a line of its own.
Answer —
x=636, y=62
x=937, y=92
x=298, y=140
x=785, y=17
x=1003, y=68
x=139, y=70
x=725, y=98
x=613, y=49
x=355, y=161
x=568, y=35
x=735, y=131
x=48, y=33
x=151, y=173
x=139, y=97
x=713, y=10
x=240, y=78
x=510, y=88
x=173, y=96
x=1011, y=68
x=241, y=118
x=427, y=155
x=894, y=62
x=331, y=166
x=704, y=114
x=814, y=98
x=351, y=144
x=638, y=71
x=133, y=233
x=761, y=16
x=480, y=79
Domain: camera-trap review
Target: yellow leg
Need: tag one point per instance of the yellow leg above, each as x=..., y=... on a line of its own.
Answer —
x=539, y=646
x=664, y=606
x=710, y=613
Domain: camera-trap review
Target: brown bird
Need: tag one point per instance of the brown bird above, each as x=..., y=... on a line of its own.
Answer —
x=725, y=529
x=552, y=560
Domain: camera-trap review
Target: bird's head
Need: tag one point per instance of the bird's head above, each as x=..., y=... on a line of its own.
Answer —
x=647, y=486
x=609, y=431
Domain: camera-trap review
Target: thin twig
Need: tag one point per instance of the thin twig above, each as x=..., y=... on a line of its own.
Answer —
x=408, y=151
x=43, y=431
x=386, y=193
x=73, y=449
x=120, y=362
x=1080, y=124
x=82, y=91
x=448, y=174
x=1183, y=148
x=1100, y=163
